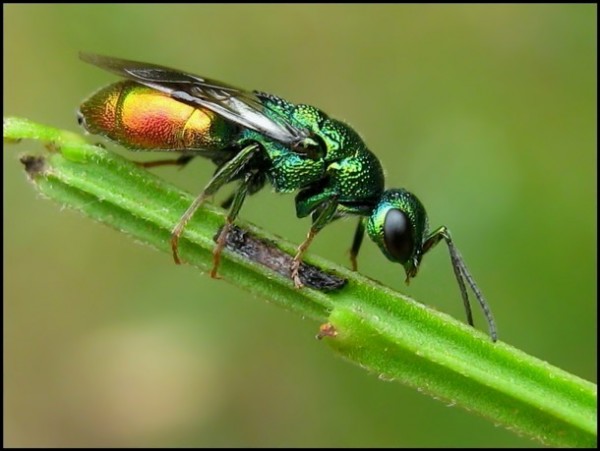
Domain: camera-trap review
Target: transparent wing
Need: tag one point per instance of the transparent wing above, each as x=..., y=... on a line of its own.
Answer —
x=239, y=106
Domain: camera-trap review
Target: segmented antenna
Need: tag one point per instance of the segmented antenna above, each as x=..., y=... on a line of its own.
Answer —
x=462, y=273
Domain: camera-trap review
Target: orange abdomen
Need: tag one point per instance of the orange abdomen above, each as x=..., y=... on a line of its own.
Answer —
x=142, y=118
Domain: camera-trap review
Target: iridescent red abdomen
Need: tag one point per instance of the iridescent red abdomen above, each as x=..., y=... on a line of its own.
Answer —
x=143, y=118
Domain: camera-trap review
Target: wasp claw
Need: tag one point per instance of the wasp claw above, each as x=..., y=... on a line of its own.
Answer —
x=295, y=276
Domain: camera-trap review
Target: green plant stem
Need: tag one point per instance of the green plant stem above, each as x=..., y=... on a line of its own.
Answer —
x=383, y=331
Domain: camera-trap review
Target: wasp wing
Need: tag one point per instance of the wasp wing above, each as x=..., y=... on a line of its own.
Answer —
x=239, y=106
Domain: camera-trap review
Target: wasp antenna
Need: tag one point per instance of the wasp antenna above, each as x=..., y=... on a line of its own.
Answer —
x=456, y=266
x=462, y=273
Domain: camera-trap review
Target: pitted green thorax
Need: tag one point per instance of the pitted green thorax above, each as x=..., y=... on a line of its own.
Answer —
x=399, y=226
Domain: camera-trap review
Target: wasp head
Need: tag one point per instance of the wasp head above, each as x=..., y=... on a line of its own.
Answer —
x=398, y=224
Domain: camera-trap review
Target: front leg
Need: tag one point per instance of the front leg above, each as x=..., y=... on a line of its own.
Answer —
x=356, y=243
x=324, y=206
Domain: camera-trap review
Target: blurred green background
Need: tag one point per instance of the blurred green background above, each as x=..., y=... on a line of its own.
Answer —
x=487, y=113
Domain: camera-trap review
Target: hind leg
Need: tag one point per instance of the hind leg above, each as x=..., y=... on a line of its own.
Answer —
x=224, y=175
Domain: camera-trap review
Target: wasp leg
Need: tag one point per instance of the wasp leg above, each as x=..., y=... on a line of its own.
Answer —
x=356, y=243
x=237, y=199
x=322, y=216
x=182, y=161
x=224, y=175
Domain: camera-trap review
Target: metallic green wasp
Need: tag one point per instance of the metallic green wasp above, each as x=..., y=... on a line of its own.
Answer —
x=254, y=138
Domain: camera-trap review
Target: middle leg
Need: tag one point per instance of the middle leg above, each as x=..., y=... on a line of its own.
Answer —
x=323, y=215
x=235, y=202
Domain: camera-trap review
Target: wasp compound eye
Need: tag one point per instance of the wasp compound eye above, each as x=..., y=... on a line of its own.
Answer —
x=397, y=235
